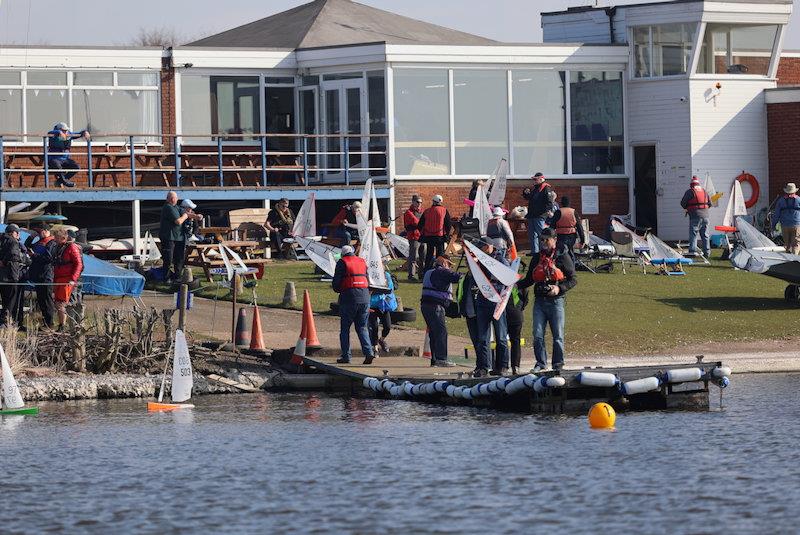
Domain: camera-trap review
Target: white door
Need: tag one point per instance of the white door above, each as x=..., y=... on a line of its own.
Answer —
x=345, y=128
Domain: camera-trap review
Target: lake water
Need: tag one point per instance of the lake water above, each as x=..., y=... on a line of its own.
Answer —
x=278, y=463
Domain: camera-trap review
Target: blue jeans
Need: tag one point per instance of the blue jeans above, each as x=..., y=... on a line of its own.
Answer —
x=357, y=313
x=535, y=228
x=547, y=310
x=483, y=351
x=699, y=225
x=437, y=329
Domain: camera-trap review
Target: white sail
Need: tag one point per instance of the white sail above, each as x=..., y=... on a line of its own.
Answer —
x=711, y=191
x=362, y=224
x=500, y=271
x=400, y=243
x=752, y=238
x=735, y=206
x=639, y=243
x=305, y=224
x=506, y=293
x=240, y=266
x=371, y=253
x=365, y=196
x=481, y=210
x=376, y=215
x=151, y=249
x=498, y=192
x=226, y=261
x=181, y=370
x=481, y=280
x=660, y=250
x=11, y=396
x=321, y=255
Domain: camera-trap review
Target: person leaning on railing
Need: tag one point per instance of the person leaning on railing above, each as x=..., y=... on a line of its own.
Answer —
x=59, y=145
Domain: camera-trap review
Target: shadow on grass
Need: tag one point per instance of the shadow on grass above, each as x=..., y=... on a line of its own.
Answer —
x=731, y=304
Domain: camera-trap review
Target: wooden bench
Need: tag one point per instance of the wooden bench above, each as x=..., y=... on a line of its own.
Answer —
x=200, y=255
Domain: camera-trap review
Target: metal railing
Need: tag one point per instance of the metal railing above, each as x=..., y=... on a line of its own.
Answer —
x=322, y=159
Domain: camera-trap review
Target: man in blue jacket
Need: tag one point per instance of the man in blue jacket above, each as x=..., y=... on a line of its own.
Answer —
x=437, y=293
x=59, y=145
x=787, y=213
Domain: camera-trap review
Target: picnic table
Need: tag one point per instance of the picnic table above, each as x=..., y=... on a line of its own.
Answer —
x=206, y=255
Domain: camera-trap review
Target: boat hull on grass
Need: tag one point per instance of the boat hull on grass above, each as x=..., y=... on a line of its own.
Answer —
x=23, y=410
x=165, y=407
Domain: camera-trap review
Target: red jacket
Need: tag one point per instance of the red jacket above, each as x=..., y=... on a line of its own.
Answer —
x=355, y=273
x=411, y=223
x=69, y=264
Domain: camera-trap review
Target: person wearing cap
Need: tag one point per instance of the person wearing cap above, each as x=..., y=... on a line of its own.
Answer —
x=435, y=225
x=68, y=265
x=696, y=202
x=170, y=234
x=486, y=323
x=279, y=223
x=540, y=199
x=13, y=262
x=498, y=231
x=348, y=224
x=351, y=282
x=42, y=250
x=58, y=147
x=552, y=275
x=411, y=224
x=437, y=294
x=567, y=224
x=787, y=213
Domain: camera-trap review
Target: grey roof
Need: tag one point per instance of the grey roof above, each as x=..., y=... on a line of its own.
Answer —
x=326, y=23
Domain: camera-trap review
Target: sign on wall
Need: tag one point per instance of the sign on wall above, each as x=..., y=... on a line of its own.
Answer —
x=590, y=200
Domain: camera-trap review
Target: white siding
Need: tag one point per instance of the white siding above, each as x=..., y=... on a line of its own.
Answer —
x=583, y=27
x=657, y=114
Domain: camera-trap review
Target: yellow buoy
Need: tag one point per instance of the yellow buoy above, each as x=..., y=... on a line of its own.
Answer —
x=602, y=416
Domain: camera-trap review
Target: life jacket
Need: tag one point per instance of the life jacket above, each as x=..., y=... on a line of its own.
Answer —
x=340, y=216
x=411, y=223
x=567, y=221
x=356, y=274
x=700, y=201
x=434, y=221
x=792, y=202
x=430, y=290
x=546, y=270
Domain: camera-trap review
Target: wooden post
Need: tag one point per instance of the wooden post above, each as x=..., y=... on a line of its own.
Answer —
x=183, y=295
x=234, y=285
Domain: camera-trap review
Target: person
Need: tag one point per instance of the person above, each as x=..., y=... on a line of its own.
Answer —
x=567, y=224
x=13, y=262
x=498, y=231
x=552, y=275
x=787, y=213
x=437, y=295
x=59, y=145
x=350, y=281
x=435, y=225
x=42, y=252
x=540, y=199
x=381, y=305
x=467, y=298
x=171, y=235
x=696, y=202
x=411, y=224
x=346, y=219
x=68, y=265
x=279, y=223
x=515, y=318
x=473, y=192
x=486, y=322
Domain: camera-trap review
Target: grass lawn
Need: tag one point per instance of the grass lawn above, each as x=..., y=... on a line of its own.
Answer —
x=608, y=313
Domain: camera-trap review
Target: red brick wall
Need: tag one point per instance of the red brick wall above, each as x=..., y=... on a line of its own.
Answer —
x=789, y=71
x=783, y=131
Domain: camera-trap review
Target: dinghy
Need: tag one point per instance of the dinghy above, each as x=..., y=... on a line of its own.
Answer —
x=181, y=379
x=12, y=399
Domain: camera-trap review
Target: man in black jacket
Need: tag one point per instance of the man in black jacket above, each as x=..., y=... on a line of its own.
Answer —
x=13, y=262
x=43, y=253
x=540, y=208
x=552, y=275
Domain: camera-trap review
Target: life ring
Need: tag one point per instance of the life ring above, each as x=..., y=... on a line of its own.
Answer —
x=750, y=179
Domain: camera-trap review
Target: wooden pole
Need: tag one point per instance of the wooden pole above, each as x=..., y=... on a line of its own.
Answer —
x=234, y=286
x=183, y=295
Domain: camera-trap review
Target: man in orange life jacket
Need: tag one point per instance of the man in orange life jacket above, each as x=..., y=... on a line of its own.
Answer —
x=540, y=207
x=696, y=202
x=435, y=228
x=787, y=213
x=569, y=231
x=411, y=224
x=552, y=274
x=350, y=281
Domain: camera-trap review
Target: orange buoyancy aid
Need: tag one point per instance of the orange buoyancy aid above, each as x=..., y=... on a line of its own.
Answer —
x=567, y=221
x=546, y=270
x=356, y=275
x=700, y=201
x=434, y=221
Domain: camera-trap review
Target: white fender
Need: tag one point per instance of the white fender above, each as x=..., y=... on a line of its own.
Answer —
x=492, y=387
x=548, y=382
x=441, y=386
x=475, y=391
x=601, y=379
x=407, y=388
x=466, y=393
x=638, y=386
x=518, y=384
x=430, y=389
x=450, y=390
x=417, y=390
x=529, y=380
x=388, y=385
x=684, y=375
x=367, y=381
x=721, y=371
x=501, y=383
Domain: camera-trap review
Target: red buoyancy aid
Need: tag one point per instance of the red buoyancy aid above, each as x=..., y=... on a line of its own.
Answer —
x=340, y=216
x=434, y=221
x=546, y=270
x=567, y=221
x=356, y=275
x=700, y=200
x=411, y=219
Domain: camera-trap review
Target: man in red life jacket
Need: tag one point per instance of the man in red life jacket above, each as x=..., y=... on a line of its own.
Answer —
x=567, y=224
x=411, y=224
x=552, y=274
x=350, y=281
x=435, y=228
x=696, y=202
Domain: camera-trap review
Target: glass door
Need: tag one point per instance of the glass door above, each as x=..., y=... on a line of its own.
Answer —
x=345, y=125
x=308, y=120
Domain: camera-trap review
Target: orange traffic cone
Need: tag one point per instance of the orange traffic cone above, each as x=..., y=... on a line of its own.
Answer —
x=512, y=253
x=257, y=338
x=300, y=347
x=242, y=334
x=426, y=349
x=312, y=342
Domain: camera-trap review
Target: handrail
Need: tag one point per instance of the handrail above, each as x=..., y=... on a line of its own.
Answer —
x=206, y=136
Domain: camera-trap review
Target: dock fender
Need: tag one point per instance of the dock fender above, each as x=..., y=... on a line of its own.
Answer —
x=502, y=383
x=440, y=386
x=483, y=389
x=475, y=391
x=407, y=388
x=466, y=393
x=387, y=385
x=721, y=371
x=451, y=391
x=430, y=389
x=367, y=382
x=416, y=390
x=723, y=382
x=458, y=393
x=529, y=380
x=683, y=375
x=600, y=379
x=548, y=382
x=639, y=386
x=518, y=384
x=396, y=391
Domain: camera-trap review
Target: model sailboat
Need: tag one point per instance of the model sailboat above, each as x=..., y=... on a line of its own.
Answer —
x=12, y=398
x=736, y=207
x=182, y=381
x=371, y=248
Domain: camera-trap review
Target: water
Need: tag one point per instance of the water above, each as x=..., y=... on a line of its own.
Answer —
x=302, y=463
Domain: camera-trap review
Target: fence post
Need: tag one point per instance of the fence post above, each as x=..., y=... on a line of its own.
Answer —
x=2, y=166
x=264, y=161
x=89, y=159
x=177, y=163
x=46, y=163
x=305, y=161
x=219, y=161
x=347, y=161
x=133, y=162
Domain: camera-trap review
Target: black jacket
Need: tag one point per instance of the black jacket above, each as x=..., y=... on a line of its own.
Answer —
x=563, y=262
x=43, y=257
x=13, y=258
x=539, y=202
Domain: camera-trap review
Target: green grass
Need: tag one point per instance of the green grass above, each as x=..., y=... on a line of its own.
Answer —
x=608, y=313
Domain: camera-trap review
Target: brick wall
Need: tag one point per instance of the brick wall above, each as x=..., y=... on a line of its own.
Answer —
x=789, y=71
x=783, y=131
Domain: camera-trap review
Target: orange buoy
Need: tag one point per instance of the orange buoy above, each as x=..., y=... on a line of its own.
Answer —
x=602, y=416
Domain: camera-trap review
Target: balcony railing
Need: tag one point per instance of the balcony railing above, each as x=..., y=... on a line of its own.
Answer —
x=199, y=161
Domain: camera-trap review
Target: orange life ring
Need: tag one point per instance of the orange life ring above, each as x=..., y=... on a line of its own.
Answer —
x=750, y=179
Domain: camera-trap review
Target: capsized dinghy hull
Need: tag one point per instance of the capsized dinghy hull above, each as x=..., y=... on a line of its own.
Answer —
x=162, y=407
x=23, y=410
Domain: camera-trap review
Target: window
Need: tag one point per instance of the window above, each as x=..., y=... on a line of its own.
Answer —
x=343, y=76
x=9, y=78
x=280, y=119
x=663, y=50
x=137, y=79
x=93, y=78
x=47, y=78
x=422, y=122
x=597, y=122
x=279, y=80
x=220, y=104
x=376, y=100
x=480, y=109
x=737, y=49
x=539, y=122
x=11, y=113
x=120, y=111
x=45, y=107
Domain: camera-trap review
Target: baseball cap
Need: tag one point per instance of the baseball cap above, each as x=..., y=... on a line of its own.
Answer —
x=61, y=126
x=187, y=203
x=348, y=249
x=498, y=211
x=12, y=228
x=437, y=199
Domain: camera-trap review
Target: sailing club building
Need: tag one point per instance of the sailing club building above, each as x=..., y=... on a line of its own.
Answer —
x=618, y=107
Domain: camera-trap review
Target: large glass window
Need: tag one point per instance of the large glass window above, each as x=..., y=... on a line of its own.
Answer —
x=47, y=78
x=93, y=78
x=539, y=122
x=46, y=107
x=280, y=120
x=422, y=122
x=737, y=49
x=220, y=104
x=376, y=99
x=597, y=122
x=480, y=108
x=663, y=50
x=11, y=113
x=121, y=111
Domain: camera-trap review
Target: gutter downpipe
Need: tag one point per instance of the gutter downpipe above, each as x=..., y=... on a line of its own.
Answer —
x=610, y=12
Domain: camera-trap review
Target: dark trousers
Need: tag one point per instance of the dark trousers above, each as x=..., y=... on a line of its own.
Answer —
x=44, y=298
x=277, y=237
x=437, y=329
x=10, y=295
x=472, y=328
x=515, y=334
x=57, y=164
x=483, y=351
x=567, y=241
x=434, y=247
x=376, y=318
x=173, y=254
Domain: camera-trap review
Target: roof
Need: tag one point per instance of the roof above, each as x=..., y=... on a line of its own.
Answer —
x=579, y=9
x=325, y=23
